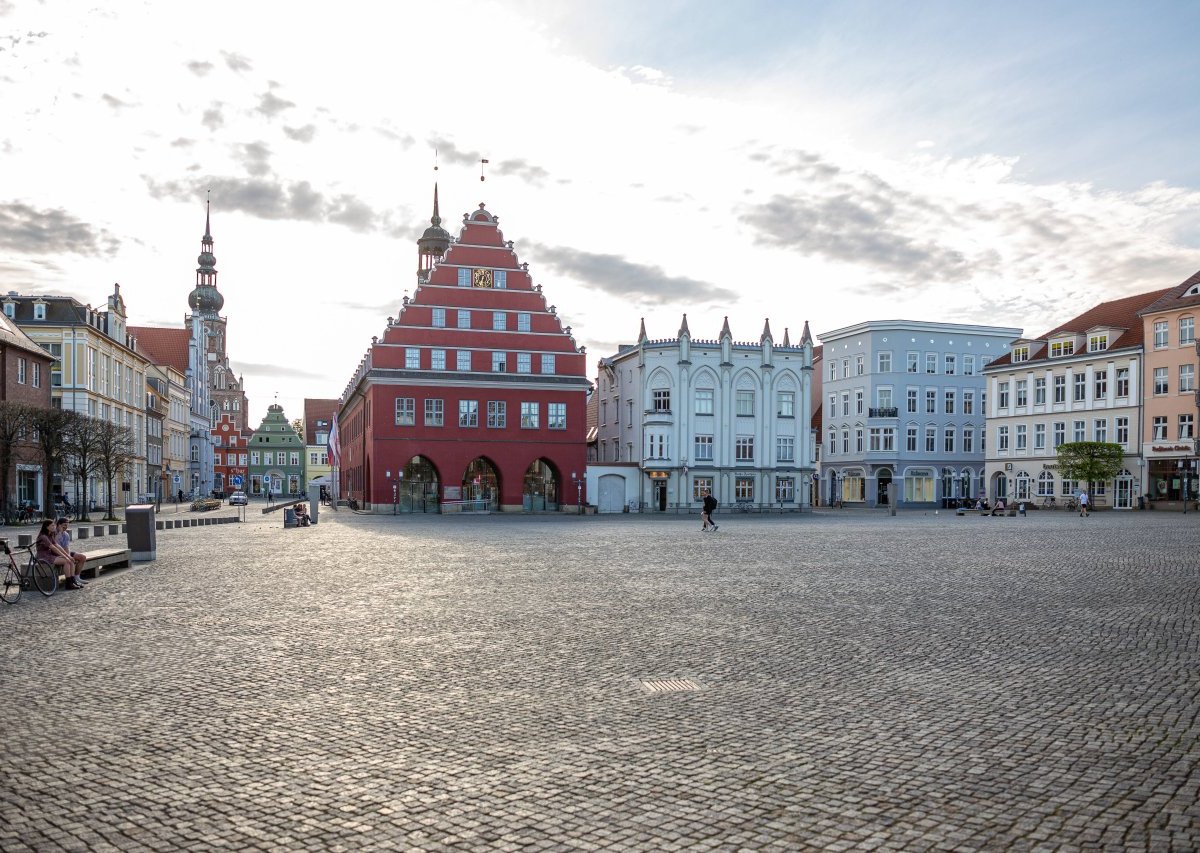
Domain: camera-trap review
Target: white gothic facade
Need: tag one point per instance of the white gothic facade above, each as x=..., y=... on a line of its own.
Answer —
x=677, y=417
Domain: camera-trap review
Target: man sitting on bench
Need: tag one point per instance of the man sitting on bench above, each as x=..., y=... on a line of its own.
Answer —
x=63, y=538
x=302, y=517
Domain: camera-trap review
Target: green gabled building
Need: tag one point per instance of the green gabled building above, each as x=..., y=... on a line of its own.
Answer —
x=276, y=457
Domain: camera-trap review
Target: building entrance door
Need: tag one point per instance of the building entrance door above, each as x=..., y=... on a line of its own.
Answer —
x=1123, y=493
x=660, y=495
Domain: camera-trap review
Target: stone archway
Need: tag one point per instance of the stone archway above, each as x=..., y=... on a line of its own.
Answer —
x=419, y=486
x=481, y=485
x=542, y=487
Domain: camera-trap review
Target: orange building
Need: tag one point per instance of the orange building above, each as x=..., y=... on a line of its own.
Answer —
x=1171, y=401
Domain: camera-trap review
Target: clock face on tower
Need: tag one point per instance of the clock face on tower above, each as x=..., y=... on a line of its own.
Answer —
x=483, y=278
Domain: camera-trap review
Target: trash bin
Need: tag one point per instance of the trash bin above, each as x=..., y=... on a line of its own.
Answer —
x=1141, y=502
x=289, y=517
x=139, y=532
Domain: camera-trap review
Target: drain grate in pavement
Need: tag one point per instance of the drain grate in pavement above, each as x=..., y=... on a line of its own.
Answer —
x=668, y=685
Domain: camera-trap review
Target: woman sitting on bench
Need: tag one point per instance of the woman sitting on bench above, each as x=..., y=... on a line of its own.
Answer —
x=302, y=517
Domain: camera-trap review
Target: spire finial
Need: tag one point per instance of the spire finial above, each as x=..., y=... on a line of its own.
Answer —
x=766, y=335
x=725, y=333
x=436, y=219
x=642, y=336
x=786, y=341
x=806, y=338
x=683, y=329
x=207, y=214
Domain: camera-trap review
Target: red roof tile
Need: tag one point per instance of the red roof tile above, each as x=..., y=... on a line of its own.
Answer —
x=167, y=346
x=1117, y=314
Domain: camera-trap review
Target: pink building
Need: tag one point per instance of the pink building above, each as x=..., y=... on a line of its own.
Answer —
x=1169, y=446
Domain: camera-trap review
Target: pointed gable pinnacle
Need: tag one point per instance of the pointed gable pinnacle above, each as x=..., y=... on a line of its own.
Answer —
x=207, y=213
x=786, y=340
x=766, y=335
x=806, y=338
x=683, y=329
x=725, y=333
x=436, y=219
x=642, y=336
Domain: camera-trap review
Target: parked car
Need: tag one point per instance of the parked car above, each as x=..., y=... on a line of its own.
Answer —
x=238, y=499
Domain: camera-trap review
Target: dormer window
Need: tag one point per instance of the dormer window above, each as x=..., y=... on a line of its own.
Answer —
x=1097, y=343
x=9, y=310
x=1061, y=348
x=39, y=311
x=1020, y=353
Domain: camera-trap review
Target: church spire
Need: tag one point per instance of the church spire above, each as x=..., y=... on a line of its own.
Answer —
x=205, y=298
x=433, y=244
x=806, y=338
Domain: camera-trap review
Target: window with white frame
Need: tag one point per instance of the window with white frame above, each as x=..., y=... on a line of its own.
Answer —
x=464, y=359
x=523, y=320
x=556, y=416
x=21, y=371
x=1002, y=401
x=910, y=438
x=1123, y=431
x=930, y=439
x=911, y=406
x=1187, y=377
x=785, y=489
x=1060, y=434
x=948, y=435
x=1079, y=431
x=412, y=358
x=785, y=448
x=1022, y=437
x=744, y=403
x=931, y=360
x=1058, y=349
x=1187, y=331
x=832, y=370
x=1039, y=437
x=743, y=489
x=464, y=277
x=1161, y=332
x=949, y=400
x=1002, y=439
x=1100, y=385
x=464, y=319
x=968, y=365
x=435, y=412
x=743, y=448
x=1039, y=391
x=914, y=362
x=1098, y=342
x=845, y=440
x=1160, y=381
x=500, y=279
x=787, y=404
x=499, y=362
x=1080, y=387
x=529, y=415
x=524, y=362
x=468, y=413
x=968, y=439
x=832, y=441
x=437, y=359
x=1187, y=426
x=1122, y=382
x=548, y=364
x=845, y=367
x=859, y=366
x=439, y=318
x=1022, y=389
x=1020, y=353
x=858, y=401
x=845, y=404
x=701, y=486
x=497, y=414
x=704, y=401
x=1060, y=389
x=930, y=401
x=499, y=321
x=858, y=439
x=661, y=399
x=406, y=411
x=1158, y=428
x=883, y=362
x=1100, y=429
x=951, y=362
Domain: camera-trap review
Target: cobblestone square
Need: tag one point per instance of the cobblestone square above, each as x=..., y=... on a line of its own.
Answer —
x=866, y=682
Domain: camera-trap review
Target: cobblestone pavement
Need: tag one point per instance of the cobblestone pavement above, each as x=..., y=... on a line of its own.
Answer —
x=923, y=682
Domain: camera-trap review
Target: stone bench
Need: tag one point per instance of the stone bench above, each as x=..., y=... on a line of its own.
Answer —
x=105, y=558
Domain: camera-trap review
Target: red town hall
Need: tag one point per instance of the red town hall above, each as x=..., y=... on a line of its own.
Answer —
x=475, y=396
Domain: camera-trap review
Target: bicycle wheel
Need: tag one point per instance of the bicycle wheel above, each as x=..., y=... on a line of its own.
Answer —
x=45, y=577
x=10, y=591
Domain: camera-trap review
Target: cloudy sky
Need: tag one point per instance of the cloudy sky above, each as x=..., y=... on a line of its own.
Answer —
x=1006, y=163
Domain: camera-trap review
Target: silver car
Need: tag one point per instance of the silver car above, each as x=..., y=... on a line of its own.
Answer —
x=238, y=499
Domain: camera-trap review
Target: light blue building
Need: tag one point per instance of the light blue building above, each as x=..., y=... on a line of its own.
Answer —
x=904, y=404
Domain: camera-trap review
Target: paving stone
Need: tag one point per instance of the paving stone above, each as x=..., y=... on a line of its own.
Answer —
x=911, y=683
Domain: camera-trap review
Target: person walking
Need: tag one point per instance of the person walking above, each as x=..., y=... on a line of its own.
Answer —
x=1083, y=503
x=709, y=507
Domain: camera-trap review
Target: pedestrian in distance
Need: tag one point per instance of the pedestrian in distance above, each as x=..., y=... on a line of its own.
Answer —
x=1083, y=503
x=706, y=512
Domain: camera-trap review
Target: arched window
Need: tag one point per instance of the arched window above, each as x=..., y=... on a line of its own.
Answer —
x=1023, y=486
x=1045, y=487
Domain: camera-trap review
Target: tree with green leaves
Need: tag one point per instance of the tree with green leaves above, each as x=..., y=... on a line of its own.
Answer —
x=116, y=448
x=1090, y=461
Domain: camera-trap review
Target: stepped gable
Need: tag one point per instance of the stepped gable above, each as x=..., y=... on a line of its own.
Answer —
x=168, y=346
x=480, y=271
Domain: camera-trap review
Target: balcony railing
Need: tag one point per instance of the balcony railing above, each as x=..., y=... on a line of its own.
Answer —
x=885, y=412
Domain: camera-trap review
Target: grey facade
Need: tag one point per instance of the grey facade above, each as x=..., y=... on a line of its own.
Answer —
x=904, y=404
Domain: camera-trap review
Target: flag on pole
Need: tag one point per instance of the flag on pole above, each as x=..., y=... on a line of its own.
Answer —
x=335, y=454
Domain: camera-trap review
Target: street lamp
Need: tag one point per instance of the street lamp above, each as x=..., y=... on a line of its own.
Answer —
x=683, y=487
x=578, y=493
x=395, y=489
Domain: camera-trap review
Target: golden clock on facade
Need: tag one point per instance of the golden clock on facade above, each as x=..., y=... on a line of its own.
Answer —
x=483, y=278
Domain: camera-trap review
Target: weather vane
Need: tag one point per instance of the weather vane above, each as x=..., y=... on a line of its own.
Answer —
x=482, y=163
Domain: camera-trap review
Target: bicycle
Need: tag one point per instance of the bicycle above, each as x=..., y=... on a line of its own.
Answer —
x=1048, y=502
x=1071, y=503
x=36, y=573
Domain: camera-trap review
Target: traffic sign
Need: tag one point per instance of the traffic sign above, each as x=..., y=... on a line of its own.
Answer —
x=175, y=479
x=237, y=481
